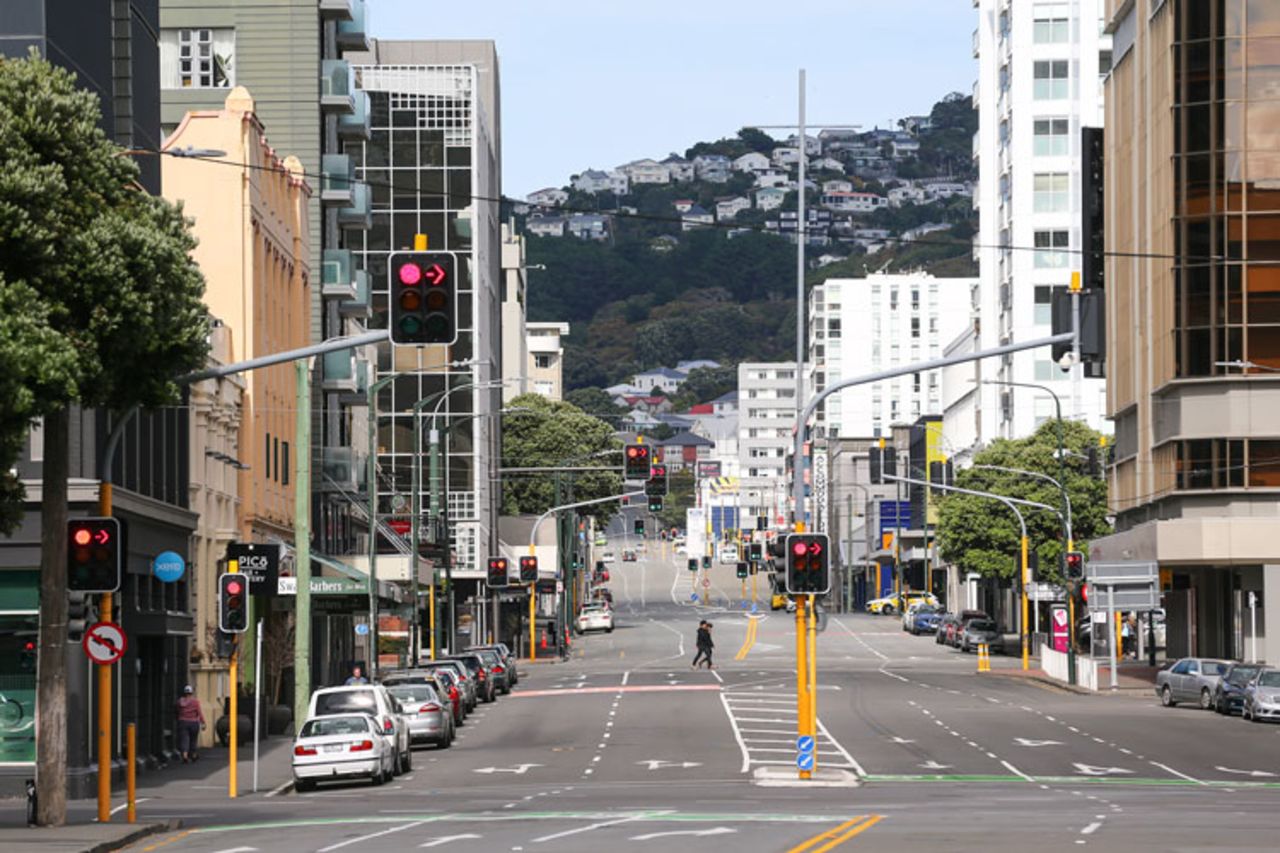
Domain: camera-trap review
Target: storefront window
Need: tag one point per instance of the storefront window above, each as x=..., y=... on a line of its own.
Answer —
x=18, y=638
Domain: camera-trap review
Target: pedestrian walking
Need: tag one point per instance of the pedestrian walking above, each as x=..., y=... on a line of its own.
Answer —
x=190, y=724
x=356, y=677
x=711, y=645
x=1129, y=631
x=703, y=643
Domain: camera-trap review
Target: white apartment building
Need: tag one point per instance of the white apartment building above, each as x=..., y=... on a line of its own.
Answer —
x=766, y=416
x=546, y=358
x=1040, y=68
x=863, y=325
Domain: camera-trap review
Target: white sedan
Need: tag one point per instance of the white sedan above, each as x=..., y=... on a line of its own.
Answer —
x=595, y=617
x=340, y=747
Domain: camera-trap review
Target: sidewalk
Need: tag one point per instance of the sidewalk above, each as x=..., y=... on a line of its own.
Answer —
x=161, y=794
x=1134, y=685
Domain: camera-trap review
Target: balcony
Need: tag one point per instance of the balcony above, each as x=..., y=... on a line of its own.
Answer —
x=360, y=396
x=351, y=32
x=354, y=127
x=336, y=10
x=337, y=281
x=335, y=87
x=336, y=180
x=357, y=214
x=343, y=468
x=360, y=305
x=339, y=371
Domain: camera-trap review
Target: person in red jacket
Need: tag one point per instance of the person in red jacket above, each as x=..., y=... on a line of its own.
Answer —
x=190, y=724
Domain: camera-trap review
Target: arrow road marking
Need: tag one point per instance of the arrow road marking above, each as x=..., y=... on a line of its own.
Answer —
x=1259, y=773
x=1090, y=770
x=445, y=839
x=716, y=830
x=657, y=764
x=900, y=740
x=1023, y=741
x=933, y=765
x=519, y=769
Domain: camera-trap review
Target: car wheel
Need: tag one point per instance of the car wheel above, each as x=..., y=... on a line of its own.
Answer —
x=407, y=766
x=1206, y=699
x=378, y=778
x=1166, y=697
x=303, y=785
x=887, y=610
x=608, y=630
x=1218, y=706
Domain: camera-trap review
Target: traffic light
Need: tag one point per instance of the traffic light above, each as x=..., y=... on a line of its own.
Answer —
x=706, y=561
x=1073, y=565
x=742, y=570
x=655, y=505
x=693, y=564
x=424, y=298
x=808, y=564
x=755, y=552
x=497, y=572
x=883, y=460
x=528, y=569
x=656, y=485
x=637, y=462
x=27, y=656
x=941, y=473
x=639, y=527
x=233, y=603
x=79, y=615
x=93, y=555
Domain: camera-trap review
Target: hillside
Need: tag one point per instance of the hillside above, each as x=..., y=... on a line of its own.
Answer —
x=650, y=293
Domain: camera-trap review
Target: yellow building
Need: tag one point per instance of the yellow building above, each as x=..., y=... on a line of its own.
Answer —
x=251, y=221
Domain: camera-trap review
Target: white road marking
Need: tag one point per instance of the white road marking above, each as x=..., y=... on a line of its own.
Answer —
x=125, y=805
x=1091, y=828
x=864, y=643
x=601, y=825
x=1091, y=770
x=361, y=838
x=715, y=830
x=1015, y=771
x=445, y=839
x=1224, y=770
x=238, y=850
x=1177, y=773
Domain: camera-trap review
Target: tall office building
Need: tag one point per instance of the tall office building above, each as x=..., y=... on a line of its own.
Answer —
x=1193, y=313
x=766, y=418
x=1040, y=67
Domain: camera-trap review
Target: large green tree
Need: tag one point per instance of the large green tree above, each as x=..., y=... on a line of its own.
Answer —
x=980, y=535
x=100, y=306
x=547, y=433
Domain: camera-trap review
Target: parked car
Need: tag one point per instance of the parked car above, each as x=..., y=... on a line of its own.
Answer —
x=477, y=671
x=914, y=610
x=1228, y=696
x=593, y=617
x=428, y=714
x=466, y=683
x=1262, y=697
x=926, y=622
x=496, y=669
x=891, y=604
x=508, y=659
x=377, y=702
x=978, y=631
x=1190, y=680
x=443, y=680
x=339, y=747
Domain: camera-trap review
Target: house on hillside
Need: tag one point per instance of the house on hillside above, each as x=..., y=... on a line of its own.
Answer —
x=638, y=420
x=826, y=164
x=812, y=145
x=772, y=178
x=682, y=205
x=680, y=168
x=904, y=145
x=548, y=197
x=646, y=171
x=651, y=404
x=849, y=202
x=837, y=187
x=916, y=125
x=696, y=216
x=726, y=403
x=752, y=161
x=945, y=189
x=712, y=167
x=592, y=181
x=730, y=206
x=546, y=226
x=623, y=389
x=663, y=378
x=898, y=196
x=684, y=450
x=701, y=409
x=770, y=198
x=784, y=156
x=589, y=226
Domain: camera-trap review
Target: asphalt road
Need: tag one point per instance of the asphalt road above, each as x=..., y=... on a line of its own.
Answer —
x=625, y=747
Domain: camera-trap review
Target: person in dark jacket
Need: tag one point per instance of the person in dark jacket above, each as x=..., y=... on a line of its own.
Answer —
x=705, y=645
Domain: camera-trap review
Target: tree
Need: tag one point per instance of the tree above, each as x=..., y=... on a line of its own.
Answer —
x=553, y=433
x=594, y=401
x=680, y=496
x=705, y=384
x=108, y=312
x=980, y=535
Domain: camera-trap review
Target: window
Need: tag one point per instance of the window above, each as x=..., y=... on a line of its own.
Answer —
x=542, y=361
x=1047, y=260
x=197, y=58
x=284, y=473
x=1051, y=138
x=833, y=327
x=915, y=327
x=1052, y=80
x=1044, y=305
x=1050, y=193
x=1052, y=23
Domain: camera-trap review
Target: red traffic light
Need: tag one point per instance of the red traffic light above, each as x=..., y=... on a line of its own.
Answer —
x=410, y=274
x=234, y=587
x=799, y=548
x=82, y=536
x=29, y=646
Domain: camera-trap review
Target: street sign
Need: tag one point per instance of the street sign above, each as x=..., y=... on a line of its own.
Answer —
x=1061, y=630
x=104, y=643
x=804, y=743
x=1136, y=585
x=260, y=563
x=168, y=566
x=362, y=628
x=804, y=760
x=706, y=583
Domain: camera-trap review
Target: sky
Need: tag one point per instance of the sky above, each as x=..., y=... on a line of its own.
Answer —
x=598, y=84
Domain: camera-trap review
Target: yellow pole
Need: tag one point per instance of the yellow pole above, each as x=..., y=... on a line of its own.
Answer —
x=533, y=646
x=1026, y=639
x=431, y=613
x=131, y=771
x=753, y=584
x=104, y=691
x=812, y=653
x=802, y=671
x=233, y=567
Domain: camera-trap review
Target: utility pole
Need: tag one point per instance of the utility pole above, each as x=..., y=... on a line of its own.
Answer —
x=302, y=546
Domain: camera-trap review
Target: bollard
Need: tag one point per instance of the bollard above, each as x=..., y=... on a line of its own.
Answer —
x=131, y=771
x=984, y=658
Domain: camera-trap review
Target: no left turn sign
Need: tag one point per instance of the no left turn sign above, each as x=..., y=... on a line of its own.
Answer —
x=104, y=643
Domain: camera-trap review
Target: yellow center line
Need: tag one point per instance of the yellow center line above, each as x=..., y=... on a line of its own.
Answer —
x=838, y=835
x=168, y=840
x=749, y=640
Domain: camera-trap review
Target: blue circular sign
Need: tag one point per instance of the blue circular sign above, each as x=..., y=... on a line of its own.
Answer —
x=168, y=566
x=805, y=761
x=362, y=628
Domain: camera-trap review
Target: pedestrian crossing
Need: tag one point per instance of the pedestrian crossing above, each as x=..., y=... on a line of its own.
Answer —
x=764, y=724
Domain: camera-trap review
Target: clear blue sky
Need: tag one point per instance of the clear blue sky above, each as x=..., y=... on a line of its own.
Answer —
x=599, y=84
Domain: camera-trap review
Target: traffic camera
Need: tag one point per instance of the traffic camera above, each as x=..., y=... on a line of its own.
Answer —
x=637, y=462
x=808, y=564
x=497, y=572
x=233, y=603
x=528, y=569
x=93, y=555
x=424, y=298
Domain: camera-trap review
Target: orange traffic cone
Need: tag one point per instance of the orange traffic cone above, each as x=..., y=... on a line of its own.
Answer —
x=544, y=640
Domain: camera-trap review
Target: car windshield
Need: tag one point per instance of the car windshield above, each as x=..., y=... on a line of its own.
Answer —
x=346, y=701
x=411, y=693
x=981, y=625
x=926, y=608
x=1211, y=667
x=1269, y=679
x=1241, y=675
x=335, y=726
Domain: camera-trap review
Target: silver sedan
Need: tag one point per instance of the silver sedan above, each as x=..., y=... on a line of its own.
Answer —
x=1190, y=680
x=1262, y=697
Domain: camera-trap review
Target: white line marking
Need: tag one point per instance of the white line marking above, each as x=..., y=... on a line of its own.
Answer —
x=1015, y=771
x=601, y=825
x=1091, y=828
x=1169, y=769
x=125, y=805
x=867, y=646
x=737, y=734
x=357, y=840
x=626, y=676
x=853, y=762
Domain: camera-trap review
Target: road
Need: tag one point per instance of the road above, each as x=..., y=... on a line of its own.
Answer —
x=625, y=747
